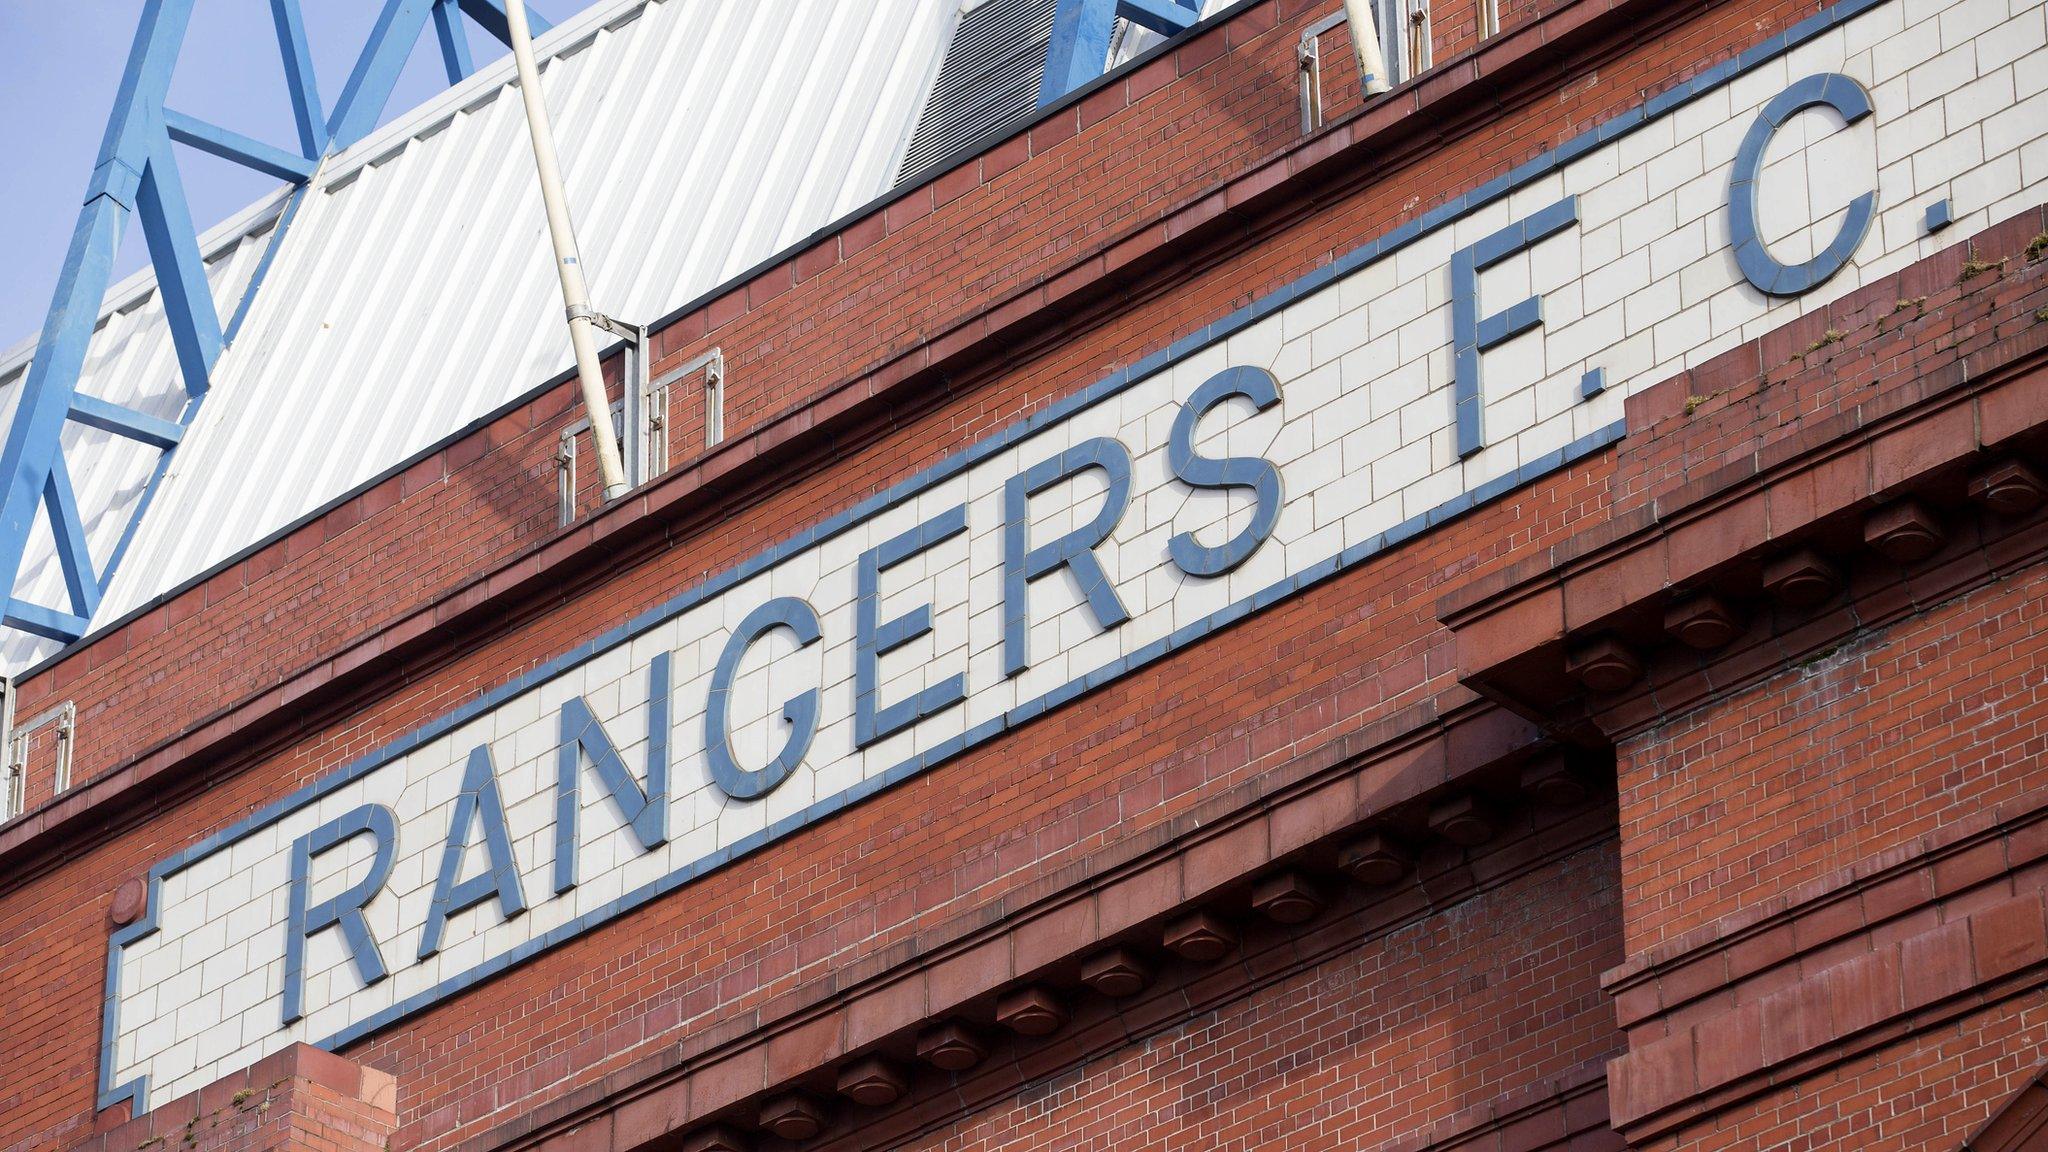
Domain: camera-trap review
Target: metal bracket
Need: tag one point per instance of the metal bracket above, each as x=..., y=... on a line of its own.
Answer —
x=1420, y=57
x=565, y=467
x=1309, y=59
x=633, y=440
x=1400, y=52
x=641, y=417
x=629, y=417
x=712, y=364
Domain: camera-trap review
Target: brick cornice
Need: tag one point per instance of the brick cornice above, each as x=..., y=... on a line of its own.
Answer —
x=1292, y=818
x=1137, y=263
x=1818, y=914
x=1842, y=1013
x=1352, y=924
x=1561, y=1112
x=1927, y=933
x=725, y=1079
x=1614, y=593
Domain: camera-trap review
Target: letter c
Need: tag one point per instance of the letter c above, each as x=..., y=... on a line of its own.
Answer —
x=801, y=710
x=1759, y=267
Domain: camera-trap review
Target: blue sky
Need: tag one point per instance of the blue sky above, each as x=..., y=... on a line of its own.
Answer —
x=60, y=63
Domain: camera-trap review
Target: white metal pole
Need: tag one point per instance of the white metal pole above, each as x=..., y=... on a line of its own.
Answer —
x=575, y=295
x=1365, y=40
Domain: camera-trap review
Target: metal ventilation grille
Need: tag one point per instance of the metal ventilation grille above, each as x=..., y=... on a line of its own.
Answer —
x=991, y=75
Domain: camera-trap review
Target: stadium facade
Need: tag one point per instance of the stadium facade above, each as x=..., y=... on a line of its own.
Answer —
x=1207, y=612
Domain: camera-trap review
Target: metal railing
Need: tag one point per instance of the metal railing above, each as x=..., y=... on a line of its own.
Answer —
x=641, y=418
x=18, y=742
x=1404, y=32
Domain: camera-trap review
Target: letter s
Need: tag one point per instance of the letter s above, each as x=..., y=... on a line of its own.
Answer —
x=1261, y=476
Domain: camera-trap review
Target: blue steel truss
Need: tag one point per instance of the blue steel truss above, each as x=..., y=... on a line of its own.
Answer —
x=137, y=172
x=1081, y=31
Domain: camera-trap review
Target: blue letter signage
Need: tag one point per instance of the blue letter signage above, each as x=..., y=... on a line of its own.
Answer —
x=1849, y=101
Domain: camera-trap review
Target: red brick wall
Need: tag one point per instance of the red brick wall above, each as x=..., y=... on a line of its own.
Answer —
x=1890, y=738
x=722, y=944
x=298, y=1100
x=1898, y=731
x=1455, y=23
x=1832, y=819
x=1497, y=995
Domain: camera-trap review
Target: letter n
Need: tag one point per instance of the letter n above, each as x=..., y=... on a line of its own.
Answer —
x=645, y=811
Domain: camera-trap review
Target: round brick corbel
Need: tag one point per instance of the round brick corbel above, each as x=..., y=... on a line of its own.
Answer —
x=1904, y=533
x=1604, y=666
x=1702, y=622
x=1287, y=898
x=950, y=1047
x=793, y=1117
x=1200, y=937
x=1033, y=1010
x=717, y=1138
x=1375, y=860
x=873, y=1082
x=1801, y=579
x=1552, y=782
x=2008, y=488
x=1462, y=820
x=1116, y=973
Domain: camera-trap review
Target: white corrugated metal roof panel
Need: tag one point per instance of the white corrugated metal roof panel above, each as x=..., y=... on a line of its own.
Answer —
x=131, y=362
x=412, y=291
